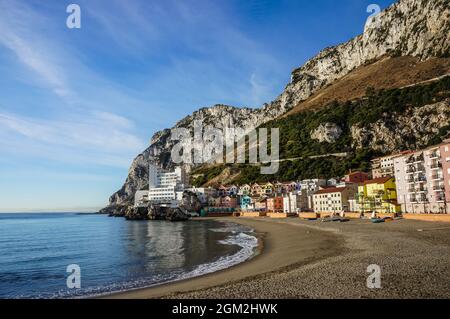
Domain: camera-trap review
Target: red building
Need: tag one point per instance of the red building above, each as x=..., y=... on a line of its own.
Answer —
x=356, y=177
x=275, y=204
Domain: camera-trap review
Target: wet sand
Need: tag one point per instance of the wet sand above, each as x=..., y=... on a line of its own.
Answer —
x=310, y=259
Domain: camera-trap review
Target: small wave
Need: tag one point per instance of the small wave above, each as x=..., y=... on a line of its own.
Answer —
x=248, y=244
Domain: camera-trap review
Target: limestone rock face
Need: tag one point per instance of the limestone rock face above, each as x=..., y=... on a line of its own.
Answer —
x=411, y=130
x=418, y=28
x=327, y=132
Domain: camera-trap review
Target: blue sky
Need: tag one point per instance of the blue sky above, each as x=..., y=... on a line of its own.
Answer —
x=77, y=105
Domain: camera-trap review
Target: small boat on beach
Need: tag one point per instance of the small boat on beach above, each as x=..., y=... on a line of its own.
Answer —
x=377, y=220
x=334, y=219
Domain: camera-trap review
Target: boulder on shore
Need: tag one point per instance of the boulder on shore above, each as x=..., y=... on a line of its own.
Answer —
x=137, y=213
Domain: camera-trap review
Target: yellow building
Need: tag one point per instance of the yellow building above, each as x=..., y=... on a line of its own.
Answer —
x=378, y=195
x=268, y=189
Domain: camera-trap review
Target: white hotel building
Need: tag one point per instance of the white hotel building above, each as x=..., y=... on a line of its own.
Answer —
x=165, y=187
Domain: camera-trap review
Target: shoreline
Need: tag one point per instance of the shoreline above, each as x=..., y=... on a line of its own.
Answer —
x=278, y=250
x=312, y=260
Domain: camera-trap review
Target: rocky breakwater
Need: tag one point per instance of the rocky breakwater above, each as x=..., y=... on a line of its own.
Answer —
x=189, y=204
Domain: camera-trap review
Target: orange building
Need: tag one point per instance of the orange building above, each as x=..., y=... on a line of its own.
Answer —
x=275, y=204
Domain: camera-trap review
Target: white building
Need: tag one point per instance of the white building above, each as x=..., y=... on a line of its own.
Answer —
x=141, y=198
x=312, y=185
x=295, y=202
x=166, y=187
x=203, y=193
x=333, y=200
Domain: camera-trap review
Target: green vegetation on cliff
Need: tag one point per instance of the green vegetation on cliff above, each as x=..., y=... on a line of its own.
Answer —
x=296, y=141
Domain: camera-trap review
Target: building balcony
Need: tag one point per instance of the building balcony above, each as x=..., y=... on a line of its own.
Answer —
x=436, y=166
x=439, y=188
x=434, y=155
x=419, y=159
x=420, y=169
x=436, y=177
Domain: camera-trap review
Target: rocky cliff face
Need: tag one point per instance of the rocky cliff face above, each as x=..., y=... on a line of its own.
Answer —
x=411, y=130
x=327, y=132
x=418, y=28
x=410, y=27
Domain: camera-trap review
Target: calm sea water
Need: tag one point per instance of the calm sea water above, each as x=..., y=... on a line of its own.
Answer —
x=113, y=254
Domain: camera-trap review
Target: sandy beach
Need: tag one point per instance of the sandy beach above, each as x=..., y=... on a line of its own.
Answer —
x=310, y=259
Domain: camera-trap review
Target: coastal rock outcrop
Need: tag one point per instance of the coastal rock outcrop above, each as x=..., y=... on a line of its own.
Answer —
x=137, y=213
x=419, y=28
x=327, y=132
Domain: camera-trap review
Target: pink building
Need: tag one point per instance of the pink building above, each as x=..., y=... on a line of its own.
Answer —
x=228, y=202
x=445, y=160
x=420, y=181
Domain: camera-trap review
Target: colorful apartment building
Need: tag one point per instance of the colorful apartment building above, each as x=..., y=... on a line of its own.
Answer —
x=233, y=190
x=245, y=202
x=275, y=204
x=445, y=160
x=229, y=202
x=420, y=181
x=260, y=204
x=378, y=195
x=245, y=190
x=222, y=191
x=333, y=200
x=268, y=189
x=256, y=190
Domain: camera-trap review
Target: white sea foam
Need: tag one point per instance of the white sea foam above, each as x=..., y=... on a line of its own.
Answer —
x=239, y=236
x=248, y=244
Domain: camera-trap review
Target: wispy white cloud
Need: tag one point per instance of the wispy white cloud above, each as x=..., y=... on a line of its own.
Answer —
x=16, y=25
x=96, y=94
x=102, y=137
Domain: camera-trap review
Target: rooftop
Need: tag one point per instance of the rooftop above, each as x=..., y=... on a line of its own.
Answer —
x=380, y=180
x=331, y=190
